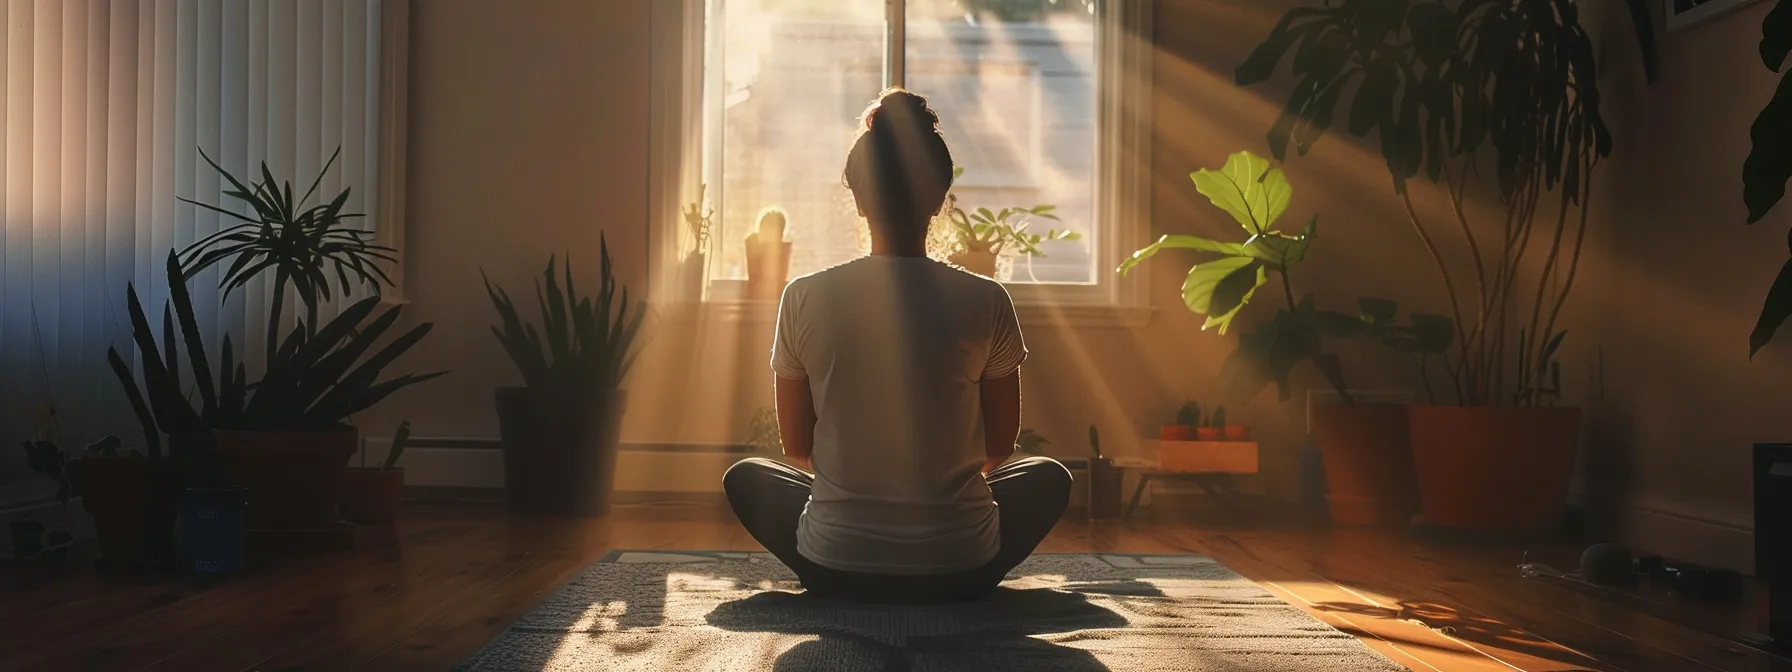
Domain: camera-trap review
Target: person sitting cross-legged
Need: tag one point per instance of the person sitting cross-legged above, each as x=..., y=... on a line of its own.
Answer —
x=898, y=401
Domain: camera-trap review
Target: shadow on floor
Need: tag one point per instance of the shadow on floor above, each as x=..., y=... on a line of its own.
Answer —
x=1471, y=628
x=993, y=635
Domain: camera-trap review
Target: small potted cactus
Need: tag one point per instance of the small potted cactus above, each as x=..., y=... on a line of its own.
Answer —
x=1187, y=419
x=768, y=256
x=1215, y=429
x=370, y=495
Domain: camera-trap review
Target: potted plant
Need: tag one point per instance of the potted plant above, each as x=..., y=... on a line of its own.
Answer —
x=211, y=512
x=131, y=496
x=983, y=237
x=1229, y=431
x=1256, y=194
x=371, y=495
x=701, y=220
x=291, y=442
x=768, y=256
x=561, y=428
x=1446, y=84
x=1187, y=419
x=1104, y=481
x=762, y=431
x=1030, y=442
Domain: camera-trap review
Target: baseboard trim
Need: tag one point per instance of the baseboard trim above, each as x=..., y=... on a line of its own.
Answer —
x=1667, y=530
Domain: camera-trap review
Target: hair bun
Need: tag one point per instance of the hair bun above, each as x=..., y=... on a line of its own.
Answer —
x=898, y=106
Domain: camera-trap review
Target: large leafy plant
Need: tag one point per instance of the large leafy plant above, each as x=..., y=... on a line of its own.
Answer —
x=1450, y=88
x=1256, y=195
x=585, y=344
x=304, y=245
x=318, y=378
x=1769, y=165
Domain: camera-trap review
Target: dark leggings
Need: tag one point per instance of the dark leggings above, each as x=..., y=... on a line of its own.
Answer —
x=768, y=496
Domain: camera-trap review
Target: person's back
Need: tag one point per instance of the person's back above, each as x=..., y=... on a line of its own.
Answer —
x=895, y=349
x=898, y=382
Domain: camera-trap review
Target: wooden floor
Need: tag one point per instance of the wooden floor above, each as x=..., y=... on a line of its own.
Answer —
x=451, y=576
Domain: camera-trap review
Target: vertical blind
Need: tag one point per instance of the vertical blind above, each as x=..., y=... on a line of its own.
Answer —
x=104, y=107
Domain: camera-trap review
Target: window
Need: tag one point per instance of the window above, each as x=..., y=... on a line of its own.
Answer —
x=1042, y=102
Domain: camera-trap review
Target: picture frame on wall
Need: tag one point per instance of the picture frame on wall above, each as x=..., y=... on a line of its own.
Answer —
x=1682, y=14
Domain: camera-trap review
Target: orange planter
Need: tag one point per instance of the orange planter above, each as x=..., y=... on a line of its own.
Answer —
x=1237, y=433
x=1210, y=434
x=1368, y=463
x=1495, y=469
x=1175, y=432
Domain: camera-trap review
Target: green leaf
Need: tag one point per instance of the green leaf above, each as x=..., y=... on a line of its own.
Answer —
x=1219, y=288
x=1248, y=189
x=1774, y=310
x=1433, y=28
x=1334, y=324
x=1181, y=242
x=1769, y=162
x=1377, y=311
x=1776, y=35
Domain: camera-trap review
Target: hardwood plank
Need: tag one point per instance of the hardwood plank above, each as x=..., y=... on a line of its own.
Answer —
x=451, y=576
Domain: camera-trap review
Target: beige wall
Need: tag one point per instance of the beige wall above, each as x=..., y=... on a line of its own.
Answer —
x=528, y=137
x=1685, y=281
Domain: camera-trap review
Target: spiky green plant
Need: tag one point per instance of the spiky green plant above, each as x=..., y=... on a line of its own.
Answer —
x=585, y=344
x=302, y=245
x=1189, y=415
x=162, y=404
x=1218, y=418
x=316, y=380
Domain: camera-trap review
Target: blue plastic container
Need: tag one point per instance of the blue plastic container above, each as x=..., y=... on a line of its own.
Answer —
x=211, y=529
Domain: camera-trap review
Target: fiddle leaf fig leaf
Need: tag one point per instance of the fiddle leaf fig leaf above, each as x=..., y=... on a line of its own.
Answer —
x=1219, y=288
x=1180, y=242
x=1247, y=188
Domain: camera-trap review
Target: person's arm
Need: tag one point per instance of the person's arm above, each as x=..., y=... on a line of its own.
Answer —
x=1000, y=387
x=1001, y=418
x=796, y=420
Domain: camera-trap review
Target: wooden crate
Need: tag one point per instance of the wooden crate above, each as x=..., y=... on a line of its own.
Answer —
x=1206, y=457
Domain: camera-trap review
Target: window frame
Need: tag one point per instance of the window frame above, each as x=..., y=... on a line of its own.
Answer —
x=678, y=36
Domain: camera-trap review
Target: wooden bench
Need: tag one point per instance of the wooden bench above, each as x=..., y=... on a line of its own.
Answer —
x=1206, y=463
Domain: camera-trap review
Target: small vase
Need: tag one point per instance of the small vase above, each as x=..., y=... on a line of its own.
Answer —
x=1209, y=434
x=1174, y=432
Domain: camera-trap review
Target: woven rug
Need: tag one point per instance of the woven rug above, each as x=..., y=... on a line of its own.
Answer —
x=689, y=611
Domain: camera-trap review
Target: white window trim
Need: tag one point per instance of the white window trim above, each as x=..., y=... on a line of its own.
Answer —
x=1123, y=160
x=394, y=115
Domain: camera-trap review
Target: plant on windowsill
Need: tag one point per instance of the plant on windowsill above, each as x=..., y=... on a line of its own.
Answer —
x=1445, y=84
x=1187, y=419
x=290, y=442
x=986, y=242
x=768, y=256
x=699, y=218
x=561, y=429
x=371, y=495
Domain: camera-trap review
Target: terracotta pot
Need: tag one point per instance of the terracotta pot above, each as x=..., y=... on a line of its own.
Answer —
x=1175, y=432
x=134, y=502
x=560, y=450
x=294, y=478
x=1209, y=434
x=981, y=262
x=1368, y=463
x=370, y=495
x=1494, y=469
x=1237, y=433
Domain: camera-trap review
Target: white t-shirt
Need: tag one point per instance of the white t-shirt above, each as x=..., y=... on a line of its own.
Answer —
x=894, y=349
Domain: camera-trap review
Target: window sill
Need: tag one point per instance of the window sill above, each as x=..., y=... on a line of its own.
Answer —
x=1032, y=315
